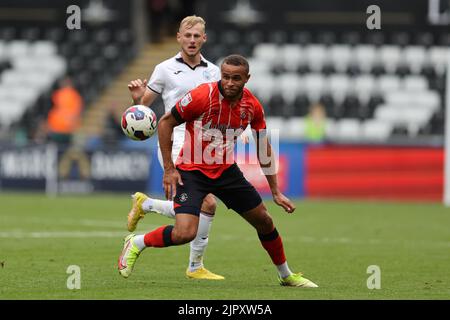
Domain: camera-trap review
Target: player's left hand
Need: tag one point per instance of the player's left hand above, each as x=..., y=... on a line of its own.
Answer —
x=281, y=200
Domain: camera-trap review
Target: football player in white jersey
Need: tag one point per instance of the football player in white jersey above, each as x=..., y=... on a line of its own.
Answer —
x=172, y=79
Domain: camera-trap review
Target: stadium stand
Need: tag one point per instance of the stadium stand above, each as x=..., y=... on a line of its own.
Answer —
x=34, y=59
x=373, y=88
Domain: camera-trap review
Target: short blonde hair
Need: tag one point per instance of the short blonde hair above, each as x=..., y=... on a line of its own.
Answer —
x=191, y=21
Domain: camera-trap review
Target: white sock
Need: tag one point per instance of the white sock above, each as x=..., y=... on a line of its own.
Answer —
x=283, y=270
x=199, y=244
x=139, y=242
x=163, y=207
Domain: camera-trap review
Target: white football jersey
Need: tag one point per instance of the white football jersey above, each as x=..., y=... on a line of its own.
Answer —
x=173, y=78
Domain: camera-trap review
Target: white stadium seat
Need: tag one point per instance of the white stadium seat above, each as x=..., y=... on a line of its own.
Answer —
x=338, y=85
x=316, y=55
x=294, y=128
x=390, y=56
x=365, y=56
x=415, y=57
x=292, y=56
x=267, y=52
x=348, y=129
x=388, y=83
x=438, y=56
x=364, y=86
x=43, y=48
x=289, y=84
x=415, y=83
x=375, y=130
x=341, y=56
x=314, y=84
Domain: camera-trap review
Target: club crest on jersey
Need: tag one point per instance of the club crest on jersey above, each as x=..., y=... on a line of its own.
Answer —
x=185, y=101
x=207, y=75
x=243, y=115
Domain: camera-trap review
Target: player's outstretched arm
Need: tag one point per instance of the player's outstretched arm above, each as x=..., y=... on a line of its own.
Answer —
x=140, y=93
x=267, y=162
x=171, y=176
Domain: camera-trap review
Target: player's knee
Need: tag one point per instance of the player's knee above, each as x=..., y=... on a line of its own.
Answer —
x=184, y=235
x=209, y=204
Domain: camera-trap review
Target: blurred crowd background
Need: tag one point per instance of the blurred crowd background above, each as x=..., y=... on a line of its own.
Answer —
x=328, y=82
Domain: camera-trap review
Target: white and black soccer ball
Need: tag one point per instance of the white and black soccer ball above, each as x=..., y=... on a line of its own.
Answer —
x=139, y=122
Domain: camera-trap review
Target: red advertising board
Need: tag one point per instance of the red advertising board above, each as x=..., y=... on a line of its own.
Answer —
x=375, y=172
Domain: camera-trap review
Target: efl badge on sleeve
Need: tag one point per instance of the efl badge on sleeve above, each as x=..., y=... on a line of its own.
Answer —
x=185, y=101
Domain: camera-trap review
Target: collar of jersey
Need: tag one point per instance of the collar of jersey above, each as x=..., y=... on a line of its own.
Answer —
x=202, y=63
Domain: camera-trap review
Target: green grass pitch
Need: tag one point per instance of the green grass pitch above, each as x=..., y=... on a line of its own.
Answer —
x=331, y=242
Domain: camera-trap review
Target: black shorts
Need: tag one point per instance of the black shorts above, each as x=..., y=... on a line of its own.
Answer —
x=231, y=187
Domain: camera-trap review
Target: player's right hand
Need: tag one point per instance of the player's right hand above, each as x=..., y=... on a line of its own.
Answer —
x=137, y=88
x=170, y=180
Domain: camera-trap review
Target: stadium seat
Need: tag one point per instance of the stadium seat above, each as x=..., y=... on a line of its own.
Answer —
x=427, y=100
x=279, y=37
x=424, y=39
x=314, y=85
x=390, y=56
x=302, y=38
x=350, y=107
x=316, y=56
x=43, y=48
x=289, y=84
x=53, y=34
x=338, y=85
x=102, y=36
x=376, y=38
x=30, y=34
x=263, y=87
x=11, y=111
x=266, y=52
x=438, y=56
x=415, y=57
x=388, y=83
x=275, y=106
x=348, y=129
x=326, y=38
x=301, y=105
x=340, y=56
x=400, y=38
x=8, y=33
x=18, y=48
x=252, y=37
x=294, y=128
x=229, y=37
x=293, y=57
x=364, y=86
x=275, y=123
x=351, y=38
x=365, y=57
x=330, y=129
x=415, y=83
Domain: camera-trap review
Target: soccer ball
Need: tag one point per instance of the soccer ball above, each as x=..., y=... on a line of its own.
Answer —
x=139, y=122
